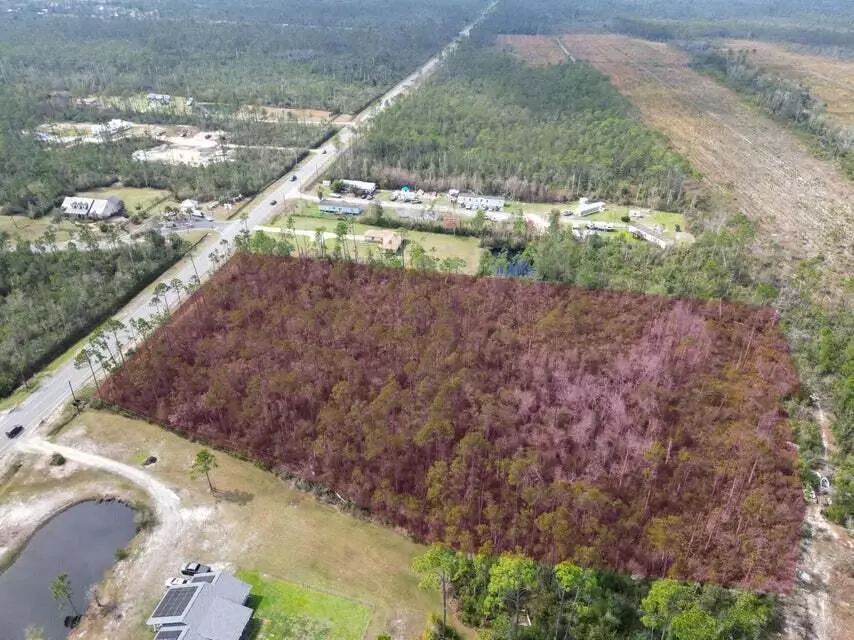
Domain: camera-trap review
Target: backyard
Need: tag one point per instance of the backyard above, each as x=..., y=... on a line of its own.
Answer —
x=288, y=611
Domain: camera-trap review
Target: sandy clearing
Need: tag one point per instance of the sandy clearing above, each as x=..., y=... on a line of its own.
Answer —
x=538, y=51
x=800, y=204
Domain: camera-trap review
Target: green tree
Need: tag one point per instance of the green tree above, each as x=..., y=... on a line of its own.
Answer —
x=511, y=580
x=203, y=464
x=694, y=624
x=60, y=589
x=84, y=358
x=435, y=566
x=666, y=600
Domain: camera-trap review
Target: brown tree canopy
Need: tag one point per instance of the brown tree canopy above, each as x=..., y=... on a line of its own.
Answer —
x=636, y=433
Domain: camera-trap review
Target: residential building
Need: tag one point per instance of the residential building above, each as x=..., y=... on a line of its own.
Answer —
x=357, y=186
x=188, y=206
x=650, y=235
x=92, y=208
x=340, y=208
x=210, y=606
x=389, y=240
x=587, y=208
x=478, y=202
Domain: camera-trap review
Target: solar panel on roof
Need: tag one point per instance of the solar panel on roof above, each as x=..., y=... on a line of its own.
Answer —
x=170, y=634
x=205, y=577
x=175, y=602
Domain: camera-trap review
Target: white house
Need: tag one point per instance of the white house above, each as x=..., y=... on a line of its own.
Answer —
x=188, y=206
x=358, y=186
x=91, y=208
x=587, y=208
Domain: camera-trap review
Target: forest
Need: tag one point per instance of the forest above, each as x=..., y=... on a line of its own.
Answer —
x=273, y=53
x=497, y=414
x=491, y=124
x=784, y=99
x=49, y=301
x=821, y=22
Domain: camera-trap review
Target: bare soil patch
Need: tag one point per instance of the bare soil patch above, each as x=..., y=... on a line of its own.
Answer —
x=802, y=205
x=830, y=80
x=538, y=51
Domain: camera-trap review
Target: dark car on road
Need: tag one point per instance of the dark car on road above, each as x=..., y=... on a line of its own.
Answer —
x=15, y=431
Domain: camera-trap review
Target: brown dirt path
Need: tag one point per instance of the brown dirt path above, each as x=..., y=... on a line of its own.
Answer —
x=803, y=206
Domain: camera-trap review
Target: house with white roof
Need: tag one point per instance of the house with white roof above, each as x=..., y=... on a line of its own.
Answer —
x=83, y=208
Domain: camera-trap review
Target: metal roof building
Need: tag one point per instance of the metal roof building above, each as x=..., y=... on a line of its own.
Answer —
x=96, y=208
x=327, y=206
x=474, y=201
x=209, y=607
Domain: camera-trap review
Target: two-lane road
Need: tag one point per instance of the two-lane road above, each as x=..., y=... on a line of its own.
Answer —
x=54, y=390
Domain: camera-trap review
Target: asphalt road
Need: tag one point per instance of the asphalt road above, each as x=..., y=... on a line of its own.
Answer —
x=54, y=390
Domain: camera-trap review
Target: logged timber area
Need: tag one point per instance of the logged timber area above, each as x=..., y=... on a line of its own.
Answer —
x=497, y=414
x=799, y=203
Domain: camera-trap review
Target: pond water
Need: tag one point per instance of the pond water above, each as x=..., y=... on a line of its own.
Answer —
x=81, y=542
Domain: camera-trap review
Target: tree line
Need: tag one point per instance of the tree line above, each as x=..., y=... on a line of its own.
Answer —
x=785, y=99
x=511, y=597
x=49, y=301
x=491, y=124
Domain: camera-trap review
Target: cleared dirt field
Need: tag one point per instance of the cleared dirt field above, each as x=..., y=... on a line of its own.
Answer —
x=830, y=80
x=803, y=206
x=539, y=51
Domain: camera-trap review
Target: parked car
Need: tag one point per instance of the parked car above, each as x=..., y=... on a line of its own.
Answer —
x=192, y=568
x=174, y=582
x=15, y=431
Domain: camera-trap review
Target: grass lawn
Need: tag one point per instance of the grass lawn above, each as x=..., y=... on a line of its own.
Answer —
x=32, y=228
x=132, y=197
x=287, y=611
x=667, y=220
x=438, y=245
x=261, y=524
x=442, y=246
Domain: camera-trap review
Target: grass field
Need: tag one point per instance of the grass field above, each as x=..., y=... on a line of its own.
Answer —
x=801, y=205
x=135, y=199
x=261, y=524
x=439, y=245
x=32, y=228
x=287, y=611
x=141, y=104
x=830, y=80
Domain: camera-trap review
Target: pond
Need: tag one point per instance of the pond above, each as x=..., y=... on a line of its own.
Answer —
x=81, y=542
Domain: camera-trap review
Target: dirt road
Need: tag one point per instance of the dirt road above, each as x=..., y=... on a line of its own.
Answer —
x=160, y=541
x=803, y=206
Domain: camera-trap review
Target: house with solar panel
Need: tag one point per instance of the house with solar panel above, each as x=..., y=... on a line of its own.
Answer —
x=208, y=606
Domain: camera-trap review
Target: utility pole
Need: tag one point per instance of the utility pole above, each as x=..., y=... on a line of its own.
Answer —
x=75, y=402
